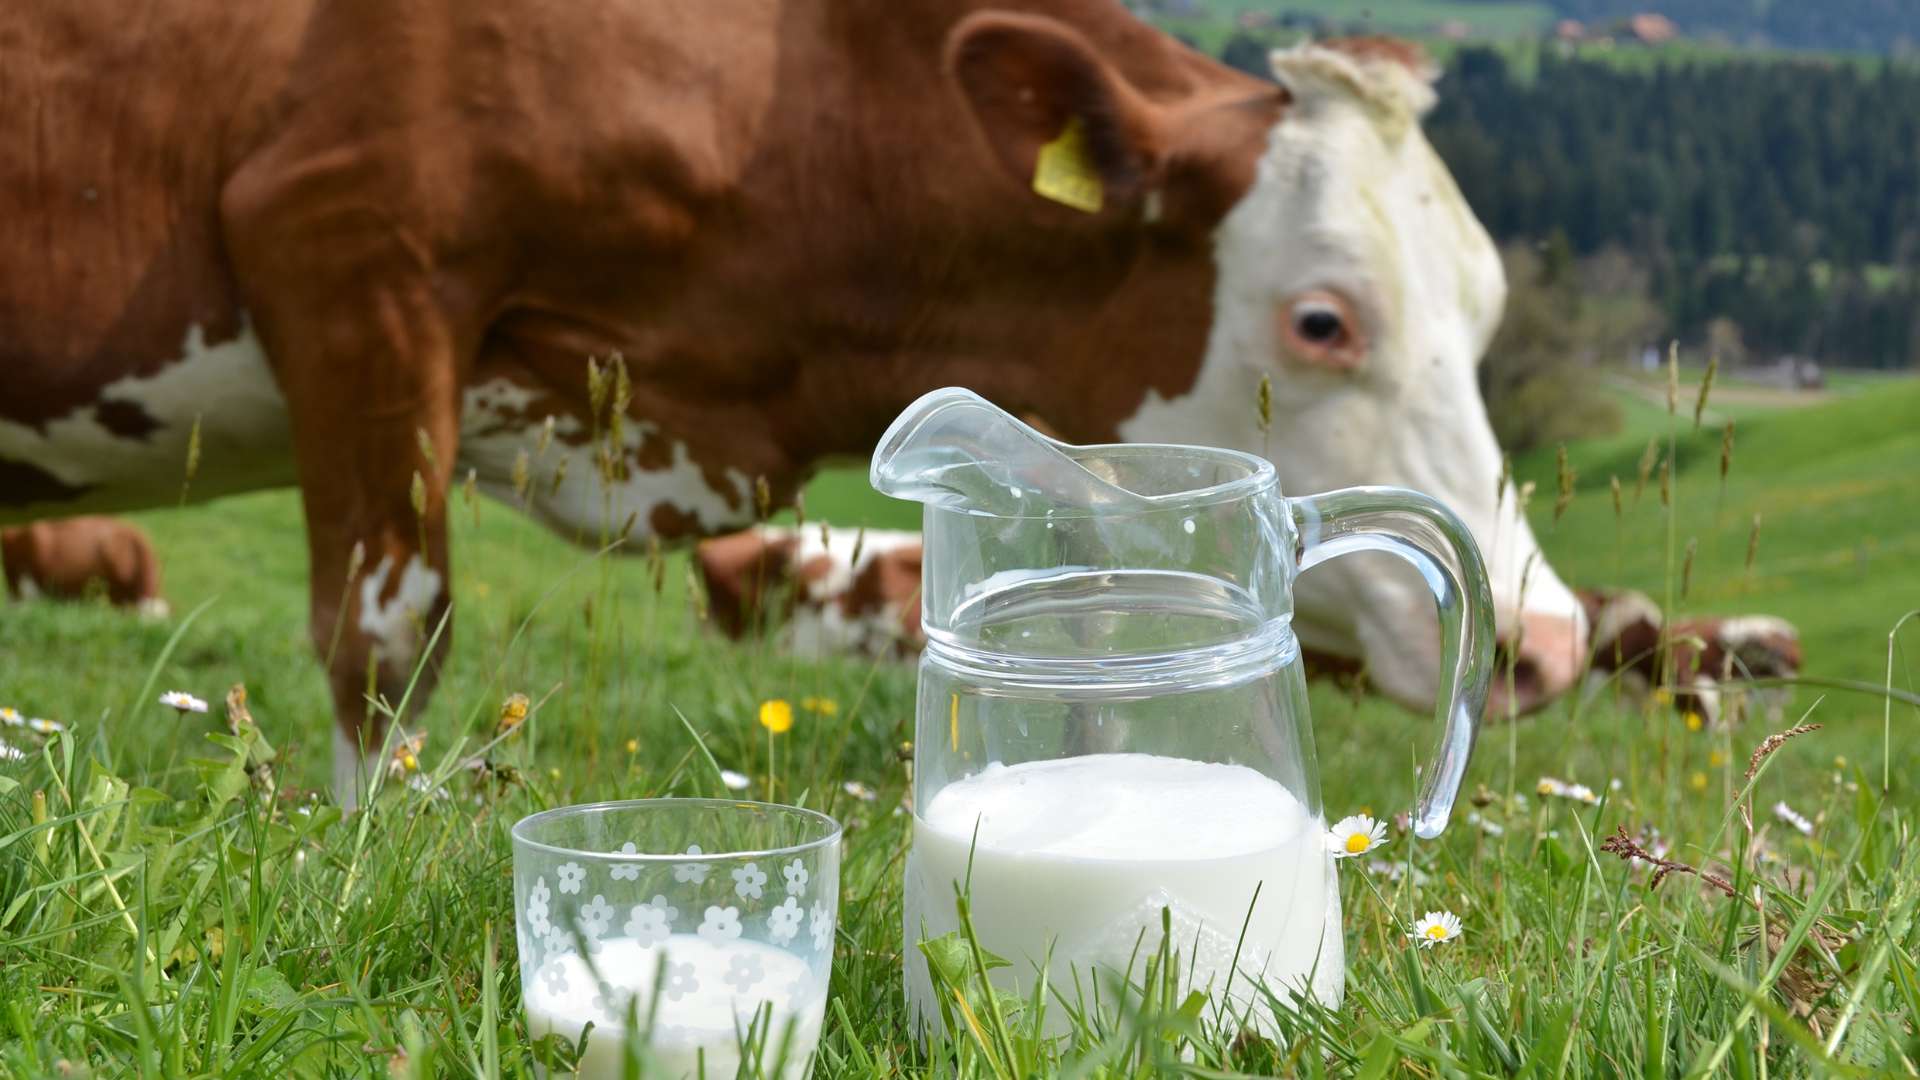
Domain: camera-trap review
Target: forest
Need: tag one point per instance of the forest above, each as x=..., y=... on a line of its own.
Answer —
x=1781, y=194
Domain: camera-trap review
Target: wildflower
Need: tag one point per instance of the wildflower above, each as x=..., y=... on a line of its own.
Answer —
x=406, y=756
x=825, y=706
x=1355, y=835
x=1485, y=826
x=513, y=712
x=1435, y=928
x=183, y=702
x=1583, y=794
x=633, y=746
x=1695, y=721
x=41, y=726
x=734, y=781
x=1715, y=759
x=859, y=791
x=776, y=716
x=1662, y=696
x=1550, y=786
x=1793, y=817
x=11, y=717
x=11, y=753
x=1698, y=781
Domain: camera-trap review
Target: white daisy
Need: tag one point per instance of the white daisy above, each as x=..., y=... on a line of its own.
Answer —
x=11, y=753
x=11, y=717
x=41, y=726
x=734, y=781
x=1355, y=835
x=1436, y=927
x=183, y=701
x=1793, y=817
x=1582, y=793
x=1551, y=786
x=859, y=791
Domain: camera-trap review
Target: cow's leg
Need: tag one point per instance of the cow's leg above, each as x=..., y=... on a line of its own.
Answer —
x=345, y=303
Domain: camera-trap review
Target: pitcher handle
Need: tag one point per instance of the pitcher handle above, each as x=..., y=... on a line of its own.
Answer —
x=1427, y=535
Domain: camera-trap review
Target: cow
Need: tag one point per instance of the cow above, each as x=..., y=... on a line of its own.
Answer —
x=71, y=558
x=1699, y=658
x=368, y=248
x=822, y=591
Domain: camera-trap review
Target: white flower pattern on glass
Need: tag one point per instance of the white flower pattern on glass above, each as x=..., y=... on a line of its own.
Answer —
x=822, y=925
x=691, y=873
x=721, y=924
x=556, y=976
x=680, y=981
x=559, y=942
x=796, y=874
x=571, y=876
x=784, y=921
x=649, y=925
x=746, y=969
x=612, y=1001
x=750, y=882
x=537, y=907
x=626, y=871
x=595, y=917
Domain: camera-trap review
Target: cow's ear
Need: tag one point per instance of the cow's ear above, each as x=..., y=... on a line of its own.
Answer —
x=1060, y=119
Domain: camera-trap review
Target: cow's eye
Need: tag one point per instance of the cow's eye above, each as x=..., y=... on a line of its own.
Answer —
x=1319, y=327
x=1319, y=323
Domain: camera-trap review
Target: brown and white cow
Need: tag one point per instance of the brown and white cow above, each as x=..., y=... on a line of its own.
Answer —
x=68, y=558
x=361, y=242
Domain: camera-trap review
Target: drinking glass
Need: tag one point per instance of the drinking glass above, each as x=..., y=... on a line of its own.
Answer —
x=694, y=935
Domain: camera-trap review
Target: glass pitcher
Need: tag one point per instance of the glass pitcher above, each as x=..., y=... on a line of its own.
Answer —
x=1112, y=715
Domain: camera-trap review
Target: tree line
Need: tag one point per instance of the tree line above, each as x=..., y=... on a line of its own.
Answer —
x=1783, y=195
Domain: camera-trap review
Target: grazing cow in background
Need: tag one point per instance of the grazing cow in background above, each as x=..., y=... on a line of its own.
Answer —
x=65, y=559
x=1707, y=653
x=823, y=591
x=368, y=247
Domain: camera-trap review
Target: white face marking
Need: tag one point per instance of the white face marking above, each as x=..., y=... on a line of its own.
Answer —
x=495, y=428
x=245, y=440
x=397, y=626
x=1351, y=199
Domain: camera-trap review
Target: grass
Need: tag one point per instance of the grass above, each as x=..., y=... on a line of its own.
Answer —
x=161, y=915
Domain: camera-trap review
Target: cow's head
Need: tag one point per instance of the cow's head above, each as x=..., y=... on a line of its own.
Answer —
x=1342, y=265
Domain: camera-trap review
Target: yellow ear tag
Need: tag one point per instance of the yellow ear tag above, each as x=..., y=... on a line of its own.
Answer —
x=1064, y=171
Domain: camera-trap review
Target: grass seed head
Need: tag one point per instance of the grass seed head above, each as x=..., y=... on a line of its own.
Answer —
x=762, y=496
x=1706, y=387
x=522, y=474
x=1563, y=498
x=546, y=437
x=426, y=449
x=1774, y=742
x=1753, y=542
x=1666, y=481
x=596, y=388
x=418, y=494
x=696, y=594
x=193, y=451
x=356, y=559
x=1263, y=402
x=1613, y=482
x=1726, y=451
x=1647, y=459
x=559, y=477
x=1686, y=566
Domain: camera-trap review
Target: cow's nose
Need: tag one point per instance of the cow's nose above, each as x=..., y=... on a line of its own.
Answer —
x=1538, y=668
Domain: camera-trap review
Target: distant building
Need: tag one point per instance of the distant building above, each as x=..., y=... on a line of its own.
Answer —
x=1651, y=28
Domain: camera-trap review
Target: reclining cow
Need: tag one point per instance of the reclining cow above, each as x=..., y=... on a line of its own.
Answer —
x=71, y=558
x=367, y=247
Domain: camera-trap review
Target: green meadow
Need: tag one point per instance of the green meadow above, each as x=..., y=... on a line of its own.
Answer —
x=164, y=913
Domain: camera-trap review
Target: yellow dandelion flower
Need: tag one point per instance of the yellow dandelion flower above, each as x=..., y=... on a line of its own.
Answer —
x=1698, y=781
x=513, y=712
x=776, y=716
x=633, y=746
x=825, y=706
x=1662, y=696
x=1715, y=759
x=1695, y=721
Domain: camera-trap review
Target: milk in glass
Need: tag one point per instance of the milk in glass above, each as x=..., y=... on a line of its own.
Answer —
x=707, y=1000
x=1082, y=853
